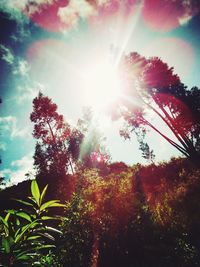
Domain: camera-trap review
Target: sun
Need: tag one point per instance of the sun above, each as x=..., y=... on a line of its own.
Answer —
x=100, y=84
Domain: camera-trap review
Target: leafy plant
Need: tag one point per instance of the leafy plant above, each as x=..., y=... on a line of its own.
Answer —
x=26, y=233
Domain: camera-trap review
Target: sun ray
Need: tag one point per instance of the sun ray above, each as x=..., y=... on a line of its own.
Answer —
x=131, y=25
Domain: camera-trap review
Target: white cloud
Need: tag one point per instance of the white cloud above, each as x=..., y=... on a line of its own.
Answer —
x=3, y=146
x=184, y=19
x=28, y=92
x=25, y=93
x=7, y=55
x=9, y=124
x=22, y=67
x=22, y=4
x=75, y=10
x=5, y=172
x=22, y=166
x=19, y=4
x=104, y=2
x=17, y=8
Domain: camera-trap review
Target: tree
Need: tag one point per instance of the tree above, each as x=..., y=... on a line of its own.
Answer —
x=60, y=146
x=150, y=85
x=92, y=151
x=108, y=204
x=52, y=153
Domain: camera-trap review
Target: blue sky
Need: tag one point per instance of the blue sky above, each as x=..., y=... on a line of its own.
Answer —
x=36, y=57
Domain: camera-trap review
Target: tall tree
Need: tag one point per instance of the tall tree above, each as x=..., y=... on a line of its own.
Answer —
x=59, y=146
x=53, y=134
x=151, y=85
x=93, y=152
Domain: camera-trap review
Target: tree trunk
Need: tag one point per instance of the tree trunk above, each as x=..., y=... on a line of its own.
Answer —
x=95, y=251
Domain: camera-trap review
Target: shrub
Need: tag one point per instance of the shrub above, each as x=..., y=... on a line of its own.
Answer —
x=26, y=234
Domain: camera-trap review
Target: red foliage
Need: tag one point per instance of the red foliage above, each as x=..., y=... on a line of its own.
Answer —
x=49, y=125
x=157, y=74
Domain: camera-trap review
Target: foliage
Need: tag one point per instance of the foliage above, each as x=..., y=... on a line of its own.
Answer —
x=129, y=216
x=74, y=246
x=54, y=151
x=26, y=232
x=93, y=153
x=150, y=85
x=62, y=148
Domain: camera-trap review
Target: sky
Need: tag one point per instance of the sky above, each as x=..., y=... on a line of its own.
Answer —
x=67, y=50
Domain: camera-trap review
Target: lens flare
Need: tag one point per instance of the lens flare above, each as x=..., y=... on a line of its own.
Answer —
x=101, y=84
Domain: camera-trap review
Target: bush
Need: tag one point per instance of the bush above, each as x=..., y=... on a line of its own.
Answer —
x=26, y=234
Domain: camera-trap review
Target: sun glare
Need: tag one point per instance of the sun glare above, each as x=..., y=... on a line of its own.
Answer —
x=101, y=84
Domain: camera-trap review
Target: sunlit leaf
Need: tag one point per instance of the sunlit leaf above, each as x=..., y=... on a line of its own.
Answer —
x=24, y=215
x=21, y=214
x=50, y=204
x=43, y=194
x=47, y=235
x=45, y=246
x=7, y=217
x=44, y=218
x=33, y=237
x=35, y=191
x=4, y=221
x=24, y=229
x=52, y=229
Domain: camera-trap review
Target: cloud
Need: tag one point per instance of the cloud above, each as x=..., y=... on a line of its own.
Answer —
x=6, y=173
x=2, y=146
x=6, y=54
x=184, y=19
x=25, y=93
x=57, y=15
x=23, y=4
x=14, y=9
x=21, y=67
x=9, y=124
x=28, y=92
x=74, y=11
x=19, y=169
x=103, y=2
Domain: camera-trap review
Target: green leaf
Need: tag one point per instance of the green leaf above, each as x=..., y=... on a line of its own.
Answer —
x=23, y=202
x=21, y=214
x=24, y=215
x=44, y=218
x=17, y=232
x=52, y=229
x=47, y=235
x=24, y=229
x=6, y=244
x=33, y=237
x=43, y=194
x=5, y=223
x=28, y=252
x=50, y=204
x=45, y=246
x=23, y=257
x=35, y=192
x=7, y=217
